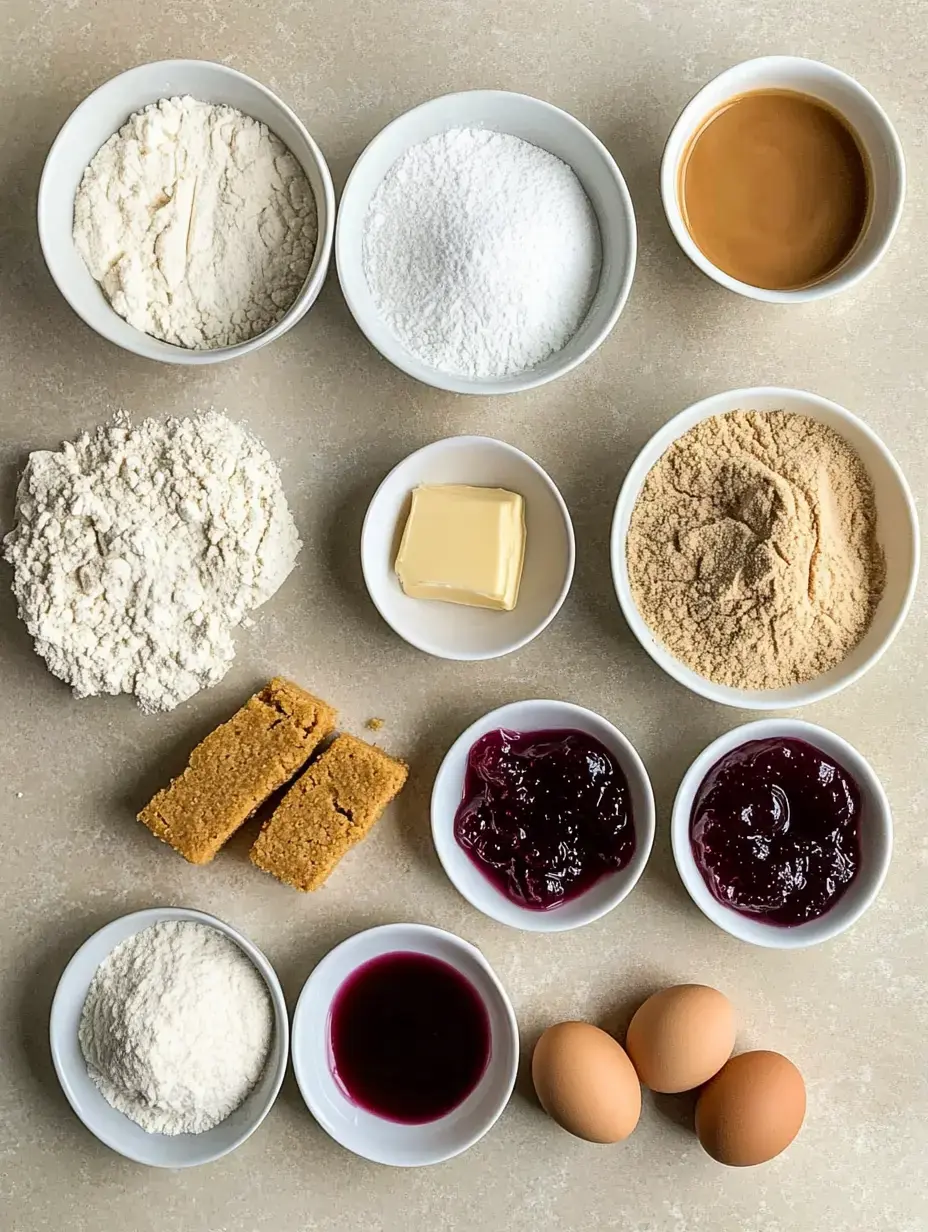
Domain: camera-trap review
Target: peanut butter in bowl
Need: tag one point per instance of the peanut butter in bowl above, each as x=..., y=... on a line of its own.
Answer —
x=775, y=189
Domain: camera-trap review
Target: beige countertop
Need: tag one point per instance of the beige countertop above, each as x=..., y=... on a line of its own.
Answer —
x=853, y=1014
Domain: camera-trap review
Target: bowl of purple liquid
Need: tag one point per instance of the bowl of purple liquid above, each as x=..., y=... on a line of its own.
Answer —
x=782, y=833
x=405, y=1045
x=543, y=815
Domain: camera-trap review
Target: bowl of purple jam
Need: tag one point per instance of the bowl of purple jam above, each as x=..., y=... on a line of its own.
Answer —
x=405, y=1045
x=782, y=833
x=543, y=815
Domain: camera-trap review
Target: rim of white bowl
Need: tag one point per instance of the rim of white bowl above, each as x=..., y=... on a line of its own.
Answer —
x=145, y=918
x=834, y=283
x=324, y=241
x=530, y=379
x=491, y=902
x=744, y=699
x=539, y=628
x=341, y=959
x=838, y=918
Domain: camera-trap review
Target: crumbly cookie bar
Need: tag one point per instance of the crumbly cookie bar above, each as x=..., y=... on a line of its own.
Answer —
x=236, y=768
x=328, y=809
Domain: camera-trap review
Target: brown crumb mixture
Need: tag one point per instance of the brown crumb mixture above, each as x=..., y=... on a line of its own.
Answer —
x=752, y=550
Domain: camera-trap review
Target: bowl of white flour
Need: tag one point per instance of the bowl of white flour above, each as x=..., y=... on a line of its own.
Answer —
x=186, y=214
x=170, y=1036
x=486, y=242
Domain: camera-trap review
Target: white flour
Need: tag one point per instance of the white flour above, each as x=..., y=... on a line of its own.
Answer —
x=176, y=1027
x=198, y=223
x=482, y=252
x=138, y=549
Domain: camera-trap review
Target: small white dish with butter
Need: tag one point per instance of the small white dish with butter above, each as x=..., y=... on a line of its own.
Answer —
x=467, y=549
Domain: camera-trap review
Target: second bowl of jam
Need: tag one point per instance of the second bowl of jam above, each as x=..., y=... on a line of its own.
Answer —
x=775, y=830
x=782, y=833
x=542, y=815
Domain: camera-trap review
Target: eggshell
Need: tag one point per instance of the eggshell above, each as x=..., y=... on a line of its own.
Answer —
x=680, y=1037
x=751, y=1110
x=586, y=1082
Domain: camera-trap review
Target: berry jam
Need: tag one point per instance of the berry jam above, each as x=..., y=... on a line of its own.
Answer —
x=544, y=814
x=774, y=831
x=409, y=1037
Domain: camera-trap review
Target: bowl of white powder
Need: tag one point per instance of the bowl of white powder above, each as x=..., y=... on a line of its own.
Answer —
x=186, y=214
x=170, y=1036
x=486, y=242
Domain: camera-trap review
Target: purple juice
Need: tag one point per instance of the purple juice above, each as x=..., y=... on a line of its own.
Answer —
x=409, y=1037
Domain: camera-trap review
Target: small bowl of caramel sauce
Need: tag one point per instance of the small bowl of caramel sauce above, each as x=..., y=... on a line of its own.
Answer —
x=783, y=180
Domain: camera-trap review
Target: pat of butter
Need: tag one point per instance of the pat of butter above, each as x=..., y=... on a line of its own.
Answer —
x=463, y=545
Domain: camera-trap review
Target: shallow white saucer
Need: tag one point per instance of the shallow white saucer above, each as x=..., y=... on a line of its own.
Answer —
x=115, y=1129
x=450, y=630
x=361, y=1131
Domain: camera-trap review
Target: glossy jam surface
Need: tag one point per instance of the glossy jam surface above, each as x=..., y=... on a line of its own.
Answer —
x=409, y=1037
x=775, y=831
x=544, y=815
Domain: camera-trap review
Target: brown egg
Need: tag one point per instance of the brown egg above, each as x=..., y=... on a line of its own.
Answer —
x=586, y=1083
x=752, y=1109
x=680, y=1037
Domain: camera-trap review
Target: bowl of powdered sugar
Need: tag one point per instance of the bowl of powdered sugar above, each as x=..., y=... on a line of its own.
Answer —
x=170, y=1037
x=765, y=548
x=486, y=242
x=186, y=214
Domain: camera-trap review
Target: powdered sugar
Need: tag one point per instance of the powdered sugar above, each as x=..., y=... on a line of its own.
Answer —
x=198, y=223
x=176, y=1027
x=482, y=252
x=137, y=550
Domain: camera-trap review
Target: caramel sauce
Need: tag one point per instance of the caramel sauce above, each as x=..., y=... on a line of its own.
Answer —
x=775, y=189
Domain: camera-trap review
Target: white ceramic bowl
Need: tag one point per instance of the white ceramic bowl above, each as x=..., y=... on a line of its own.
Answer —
x=897, y=532
x=542, y=125
x=866, y=117
x=467, y=879
x=94, y=122
x=449, y=630
x=368, y=1135
x=112, y=1127
x=876, y=837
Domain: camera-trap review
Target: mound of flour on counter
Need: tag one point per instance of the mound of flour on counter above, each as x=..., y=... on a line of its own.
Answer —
x=138, y=549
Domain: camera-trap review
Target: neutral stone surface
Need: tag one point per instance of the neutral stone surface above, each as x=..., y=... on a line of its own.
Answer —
x=853, y=1014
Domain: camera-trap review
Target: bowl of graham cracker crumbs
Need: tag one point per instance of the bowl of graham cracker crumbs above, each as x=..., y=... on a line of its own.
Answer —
x=765, y=548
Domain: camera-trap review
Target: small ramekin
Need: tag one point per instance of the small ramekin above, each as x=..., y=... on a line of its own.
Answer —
x=876, y=838
x=452, y=630
x=91, y=124
x=863, y=113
